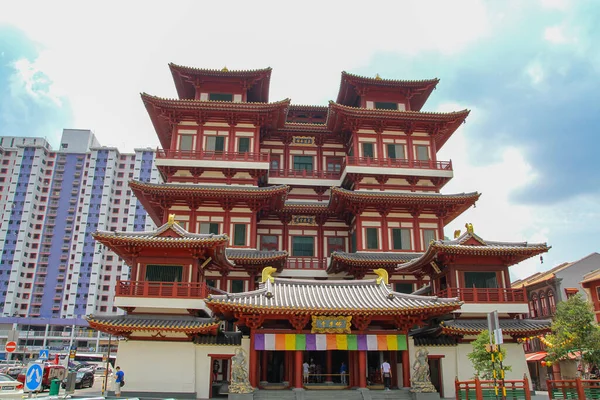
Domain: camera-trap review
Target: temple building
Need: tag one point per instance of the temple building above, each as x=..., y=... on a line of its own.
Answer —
x=305, y=234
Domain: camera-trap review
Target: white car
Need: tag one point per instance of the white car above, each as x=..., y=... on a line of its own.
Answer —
x=10, y=388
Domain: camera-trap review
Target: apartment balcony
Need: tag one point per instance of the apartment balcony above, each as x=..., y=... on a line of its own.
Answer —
x=211, y=159
x=483, y=300
x=155, y=296
x=306, y=263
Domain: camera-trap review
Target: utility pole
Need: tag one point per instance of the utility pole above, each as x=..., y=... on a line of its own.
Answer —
x=104, y=388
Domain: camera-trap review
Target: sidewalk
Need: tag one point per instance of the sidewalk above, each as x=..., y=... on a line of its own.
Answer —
x=540, y=396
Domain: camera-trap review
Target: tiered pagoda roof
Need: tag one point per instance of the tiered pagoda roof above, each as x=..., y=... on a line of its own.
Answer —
x=358, y=264
x=255, y=259
x=256, y=81
x=469, y=244
x=417, y=91
x=126, y=325
x=513, y=327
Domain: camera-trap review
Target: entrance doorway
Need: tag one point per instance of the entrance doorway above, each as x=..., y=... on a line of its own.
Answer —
x=220, y=367
x=435, y=372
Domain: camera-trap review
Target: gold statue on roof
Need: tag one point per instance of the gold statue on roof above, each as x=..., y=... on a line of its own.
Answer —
x=267, y=274
x=377, y=77
x=457, y=234
x=469, y=227
x=382, y=274
x=225, y=69
x=171, y=220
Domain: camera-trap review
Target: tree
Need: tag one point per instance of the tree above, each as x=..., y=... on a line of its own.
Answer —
x=481, y=358
x=574, y=331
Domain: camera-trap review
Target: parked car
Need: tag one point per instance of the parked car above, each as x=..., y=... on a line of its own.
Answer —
x=10, y=388
x=84, y=378
x=13, y=372
x=51, y=371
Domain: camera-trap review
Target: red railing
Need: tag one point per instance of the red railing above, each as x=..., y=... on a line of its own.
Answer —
x=212, y=155
x=302, y=173
x=574, y=389
x=306, y=263
x=479, y=389
x=478, y=295
x=398, y=163
x=182, y=290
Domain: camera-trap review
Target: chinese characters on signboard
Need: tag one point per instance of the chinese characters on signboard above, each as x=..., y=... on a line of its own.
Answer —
x=326, y=324
x=303, y=140
x=303, y=220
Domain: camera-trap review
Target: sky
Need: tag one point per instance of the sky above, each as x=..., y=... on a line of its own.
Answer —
x=529, y=71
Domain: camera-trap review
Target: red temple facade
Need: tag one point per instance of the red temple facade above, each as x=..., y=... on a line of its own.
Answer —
x=305, y=233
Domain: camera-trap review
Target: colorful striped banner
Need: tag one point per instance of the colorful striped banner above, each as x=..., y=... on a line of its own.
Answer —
x=320, y=342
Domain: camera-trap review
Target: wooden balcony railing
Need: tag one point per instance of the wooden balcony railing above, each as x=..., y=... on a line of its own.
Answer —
x=306, y=263
x=304, y=174
x=212, y=155
x=182, y=290
x=478, y=295
x=398, y=163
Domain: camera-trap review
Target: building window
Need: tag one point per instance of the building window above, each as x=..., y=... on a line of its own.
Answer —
x=372, y=239
x=303, y=246
x=334, y=165
x=206, y=228
x=215, y=143
x=422, y=153
x=164, y=273
x=244, y=145
x=220, y=97
x=534, y=306
x=543, y=304
x=551, y=302
x=401, y=287
x=482, y=280
x=237, y=286
x=396, y=151
x=401, y=239
x=386, y=105
x=368, y=150
x=239, y=234
x=428, y=236
x=269, y=242
x=186, y=142
x=304, y=163
x=335, y=244
x=275, y=165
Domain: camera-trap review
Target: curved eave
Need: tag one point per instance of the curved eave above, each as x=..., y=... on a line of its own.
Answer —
x=168, y=243
x=344, y=262
x=108, y=327
x=258, y=261
x=448, y=330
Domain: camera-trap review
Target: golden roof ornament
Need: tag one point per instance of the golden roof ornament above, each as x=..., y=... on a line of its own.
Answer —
x=225, y=69
x=469, y=227
x=171, y=220
x=457, y=234
x=377, y=77
x=267, y=274
x=382, y=274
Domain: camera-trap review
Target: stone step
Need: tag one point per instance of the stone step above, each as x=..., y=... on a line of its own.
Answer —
x=274, y=395
x=401, y=394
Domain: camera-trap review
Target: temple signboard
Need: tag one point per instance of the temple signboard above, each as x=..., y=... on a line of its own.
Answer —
x=328, y=324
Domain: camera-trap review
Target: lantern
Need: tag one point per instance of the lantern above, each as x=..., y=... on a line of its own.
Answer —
x=548, y=363
x=544, y=363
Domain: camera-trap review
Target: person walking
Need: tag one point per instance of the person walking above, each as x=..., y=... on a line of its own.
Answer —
x=305, y=371
x=343, y=373
x=119, y=381
x=386, y=374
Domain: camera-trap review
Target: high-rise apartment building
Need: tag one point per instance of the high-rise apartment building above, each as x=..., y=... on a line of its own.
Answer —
x=52, y=273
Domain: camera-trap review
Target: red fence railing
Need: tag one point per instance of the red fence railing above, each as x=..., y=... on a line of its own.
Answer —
x=162, y=289
x=399, y=163
x=479, y=295
x=302, y=173
x=479, y=389
x=212, y=155
x=574, y=389
x=306, y=263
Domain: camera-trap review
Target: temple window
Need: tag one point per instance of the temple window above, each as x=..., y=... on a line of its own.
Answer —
x=368, y=150
x=244, y=145
x=428, y=236
x=186, y=142
x=401, y=239
x=334, y=165
x=303, y=163
x=422, y=152
x=275, y=164
x=212, y=283
x=215, y=143
x=534, y=306
x=303, y=246
x=335, y=244
x=396, y=151
x=237, y=286
x=543, y=304
x=207, y=228
x=164, y=273
x=401, y=287
x=482, y=280
x=385, y=105
x=239, y=234
x=269, y=242
x=551, y=302
x=372, y=238
x=220, y=97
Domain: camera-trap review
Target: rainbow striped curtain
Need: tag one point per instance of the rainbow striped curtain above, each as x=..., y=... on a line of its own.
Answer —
x=312, y=342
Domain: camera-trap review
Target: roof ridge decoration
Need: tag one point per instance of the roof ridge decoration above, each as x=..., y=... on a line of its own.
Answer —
x=400, y=81
x=149, y=96
x=172, y=66
x=459, y=113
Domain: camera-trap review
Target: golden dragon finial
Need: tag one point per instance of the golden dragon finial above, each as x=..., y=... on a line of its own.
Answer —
x=267, y=274
x=382, y=275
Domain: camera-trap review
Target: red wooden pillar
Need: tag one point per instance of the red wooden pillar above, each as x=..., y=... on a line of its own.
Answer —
x=328, y=366
x=362, y=368
x=351, y=369
x=355, y=145
x=359, y=234
x=385, y=233
x=405, y=369
x=253, y=230
x=263, y=365
x=200, y=143
x=252, y=363
x=394, y=362
x=298, y=370
x=410, y=152
x=134, y=269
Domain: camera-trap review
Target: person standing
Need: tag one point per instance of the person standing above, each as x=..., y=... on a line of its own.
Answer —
x=305, y=371
x=343, y=373
x=119, y=381
x=386, y=374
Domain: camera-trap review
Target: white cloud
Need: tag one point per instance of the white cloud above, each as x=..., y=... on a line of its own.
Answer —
x=556, y=4
x=555, y=34
x=535, y=72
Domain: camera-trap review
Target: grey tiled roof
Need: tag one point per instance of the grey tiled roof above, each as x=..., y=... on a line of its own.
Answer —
x=442, y=340
x=508, y=326
x=330, y=297
x=249, y=256
x=367, y=256
x=150, y=322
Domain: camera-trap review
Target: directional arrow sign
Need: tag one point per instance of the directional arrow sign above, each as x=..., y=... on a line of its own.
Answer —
x=33, y=377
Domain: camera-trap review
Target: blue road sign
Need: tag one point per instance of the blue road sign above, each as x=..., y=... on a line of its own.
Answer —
x=33, y=377
x=44, y=354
